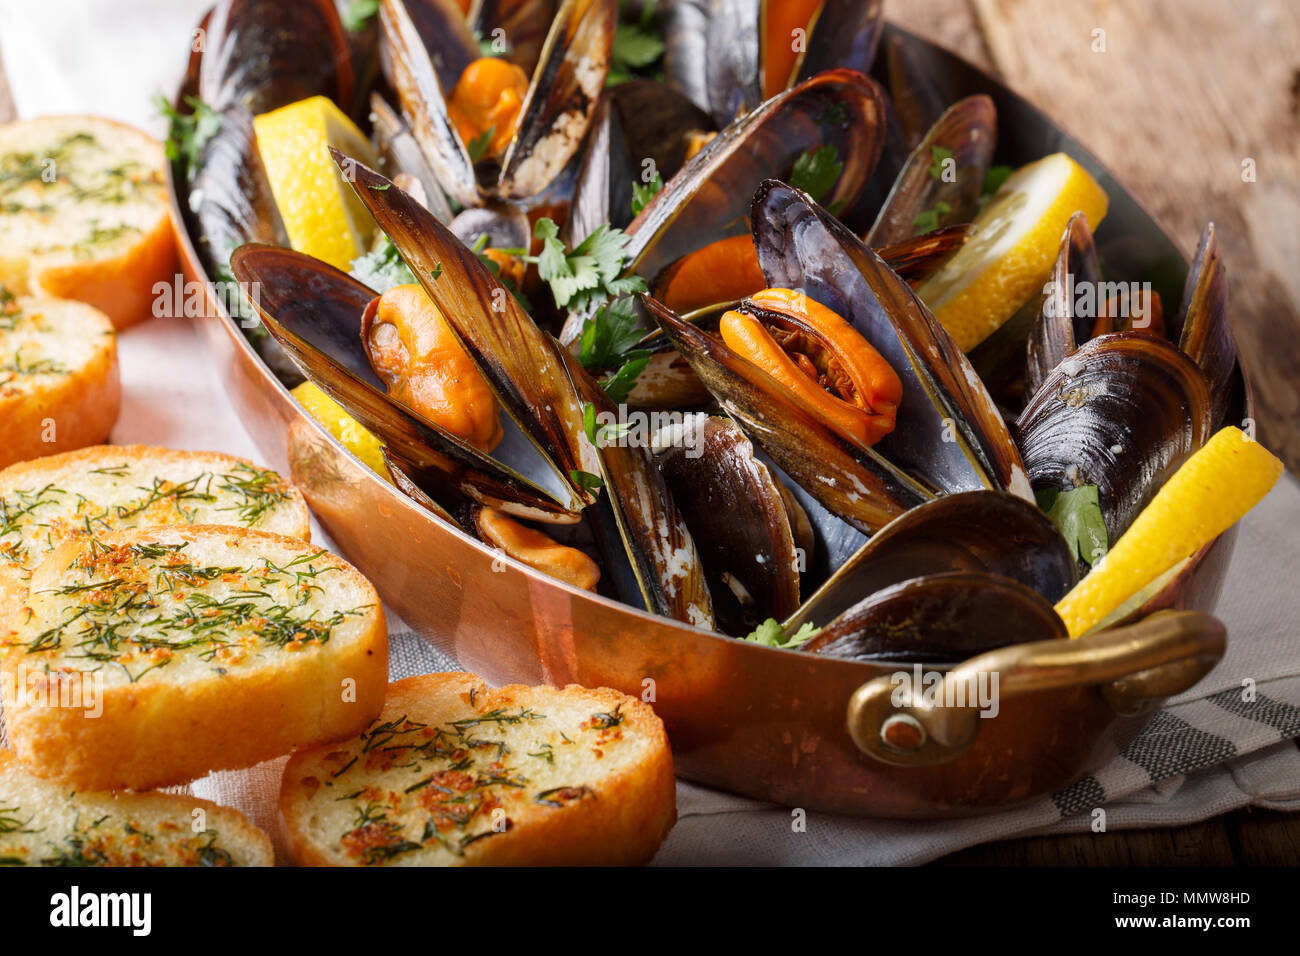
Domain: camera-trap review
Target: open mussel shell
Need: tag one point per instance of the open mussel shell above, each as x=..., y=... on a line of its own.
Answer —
x=565, y=89
x=1059, y=331
x=413, y=71
x=263, y=54
x=521, y=363
x=1123, y=412
x=739, y=516
x=939, y=619
x=640, y=129
x=729, y=37
x=986, y=531
x=523, y=25
x=709, y=199
x=966, y=134
x=851, y=480
x=653, y=530
x=401, y=154
x=314, y=311
x=949, y=433
x=1204, y=328
x=916, y=259
x=230, y=195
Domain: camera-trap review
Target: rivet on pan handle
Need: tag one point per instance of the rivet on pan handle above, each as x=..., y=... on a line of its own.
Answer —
x=1137, y=666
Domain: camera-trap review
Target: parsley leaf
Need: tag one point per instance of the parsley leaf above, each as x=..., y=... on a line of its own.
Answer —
x=928, y=221
x=586, y=480
x=382, y=269
x=609, y=340
x=590, y=274
x=771, y=634
x=994, y=178
x=478, y=146
x=619, y=385
x=817, y=171
x=938, y=156
x=358, y=14
x=1077, y=513
x=637, y=46
x=602, y=435
x=608, y=335
x=187, y=135
x=641, y=195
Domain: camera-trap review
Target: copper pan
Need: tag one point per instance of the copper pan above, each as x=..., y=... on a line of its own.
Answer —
x=788, y=727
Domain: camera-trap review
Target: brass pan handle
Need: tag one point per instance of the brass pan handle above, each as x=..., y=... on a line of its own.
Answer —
x=1138, y=666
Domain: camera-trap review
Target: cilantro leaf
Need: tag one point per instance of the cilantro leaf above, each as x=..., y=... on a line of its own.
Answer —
x=1077, y=513
x=938, y=155
x=771, y=634
x=383, y=269
x=928, y=221
x=187, y=135
x=816, y=171
x=358, y=14
x=641, y=195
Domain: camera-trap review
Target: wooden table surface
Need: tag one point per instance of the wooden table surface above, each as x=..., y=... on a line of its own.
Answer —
x=1185, y=93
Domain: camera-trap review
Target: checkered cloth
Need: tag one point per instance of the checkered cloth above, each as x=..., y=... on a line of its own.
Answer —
x=1206, y=753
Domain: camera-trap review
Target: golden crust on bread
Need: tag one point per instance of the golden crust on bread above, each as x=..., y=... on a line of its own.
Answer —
x=202, y=648
x=59, y=382
x=453, y=773
x=45, y=824
x=115, y=487
x=84, y=214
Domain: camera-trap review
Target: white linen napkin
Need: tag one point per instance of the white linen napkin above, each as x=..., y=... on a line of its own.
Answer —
x=1206, y=753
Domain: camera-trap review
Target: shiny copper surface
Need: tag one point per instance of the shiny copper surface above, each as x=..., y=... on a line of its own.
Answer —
x=758, y=721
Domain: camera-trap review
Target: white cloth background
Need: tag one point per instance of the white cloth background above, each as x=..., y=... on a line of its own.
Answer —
x=1206, y=754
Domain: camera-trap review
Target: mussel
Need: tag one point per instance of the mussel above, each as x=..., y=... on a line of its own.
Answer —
x=731, y=55
x=544, y=390
x=939, y=619
x=486, y=130
x=989, y=532
x=752, y=536
x=258, y=55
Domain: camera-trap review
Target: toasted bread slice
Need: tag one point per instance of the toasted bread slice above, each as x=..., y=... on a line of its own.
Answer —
x=150, y=657
x=44, y=824
x=59, y=382
x=84, y=214
x=46, y=502
x=456, y=774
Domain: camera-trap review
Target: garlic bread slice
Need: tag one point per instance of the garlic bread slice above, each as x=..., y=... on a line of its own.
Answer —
x=84, y=214
x=105, y=488
x=455, y=774
x=150, y=657
x=59, y=382
x=45, y=824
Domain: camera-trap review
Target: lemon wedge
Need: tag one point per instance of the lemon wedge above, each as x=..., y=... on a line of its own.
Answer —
x=1212, y=490
x=341, y=425
x=321, y=213
x=1012, y=248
